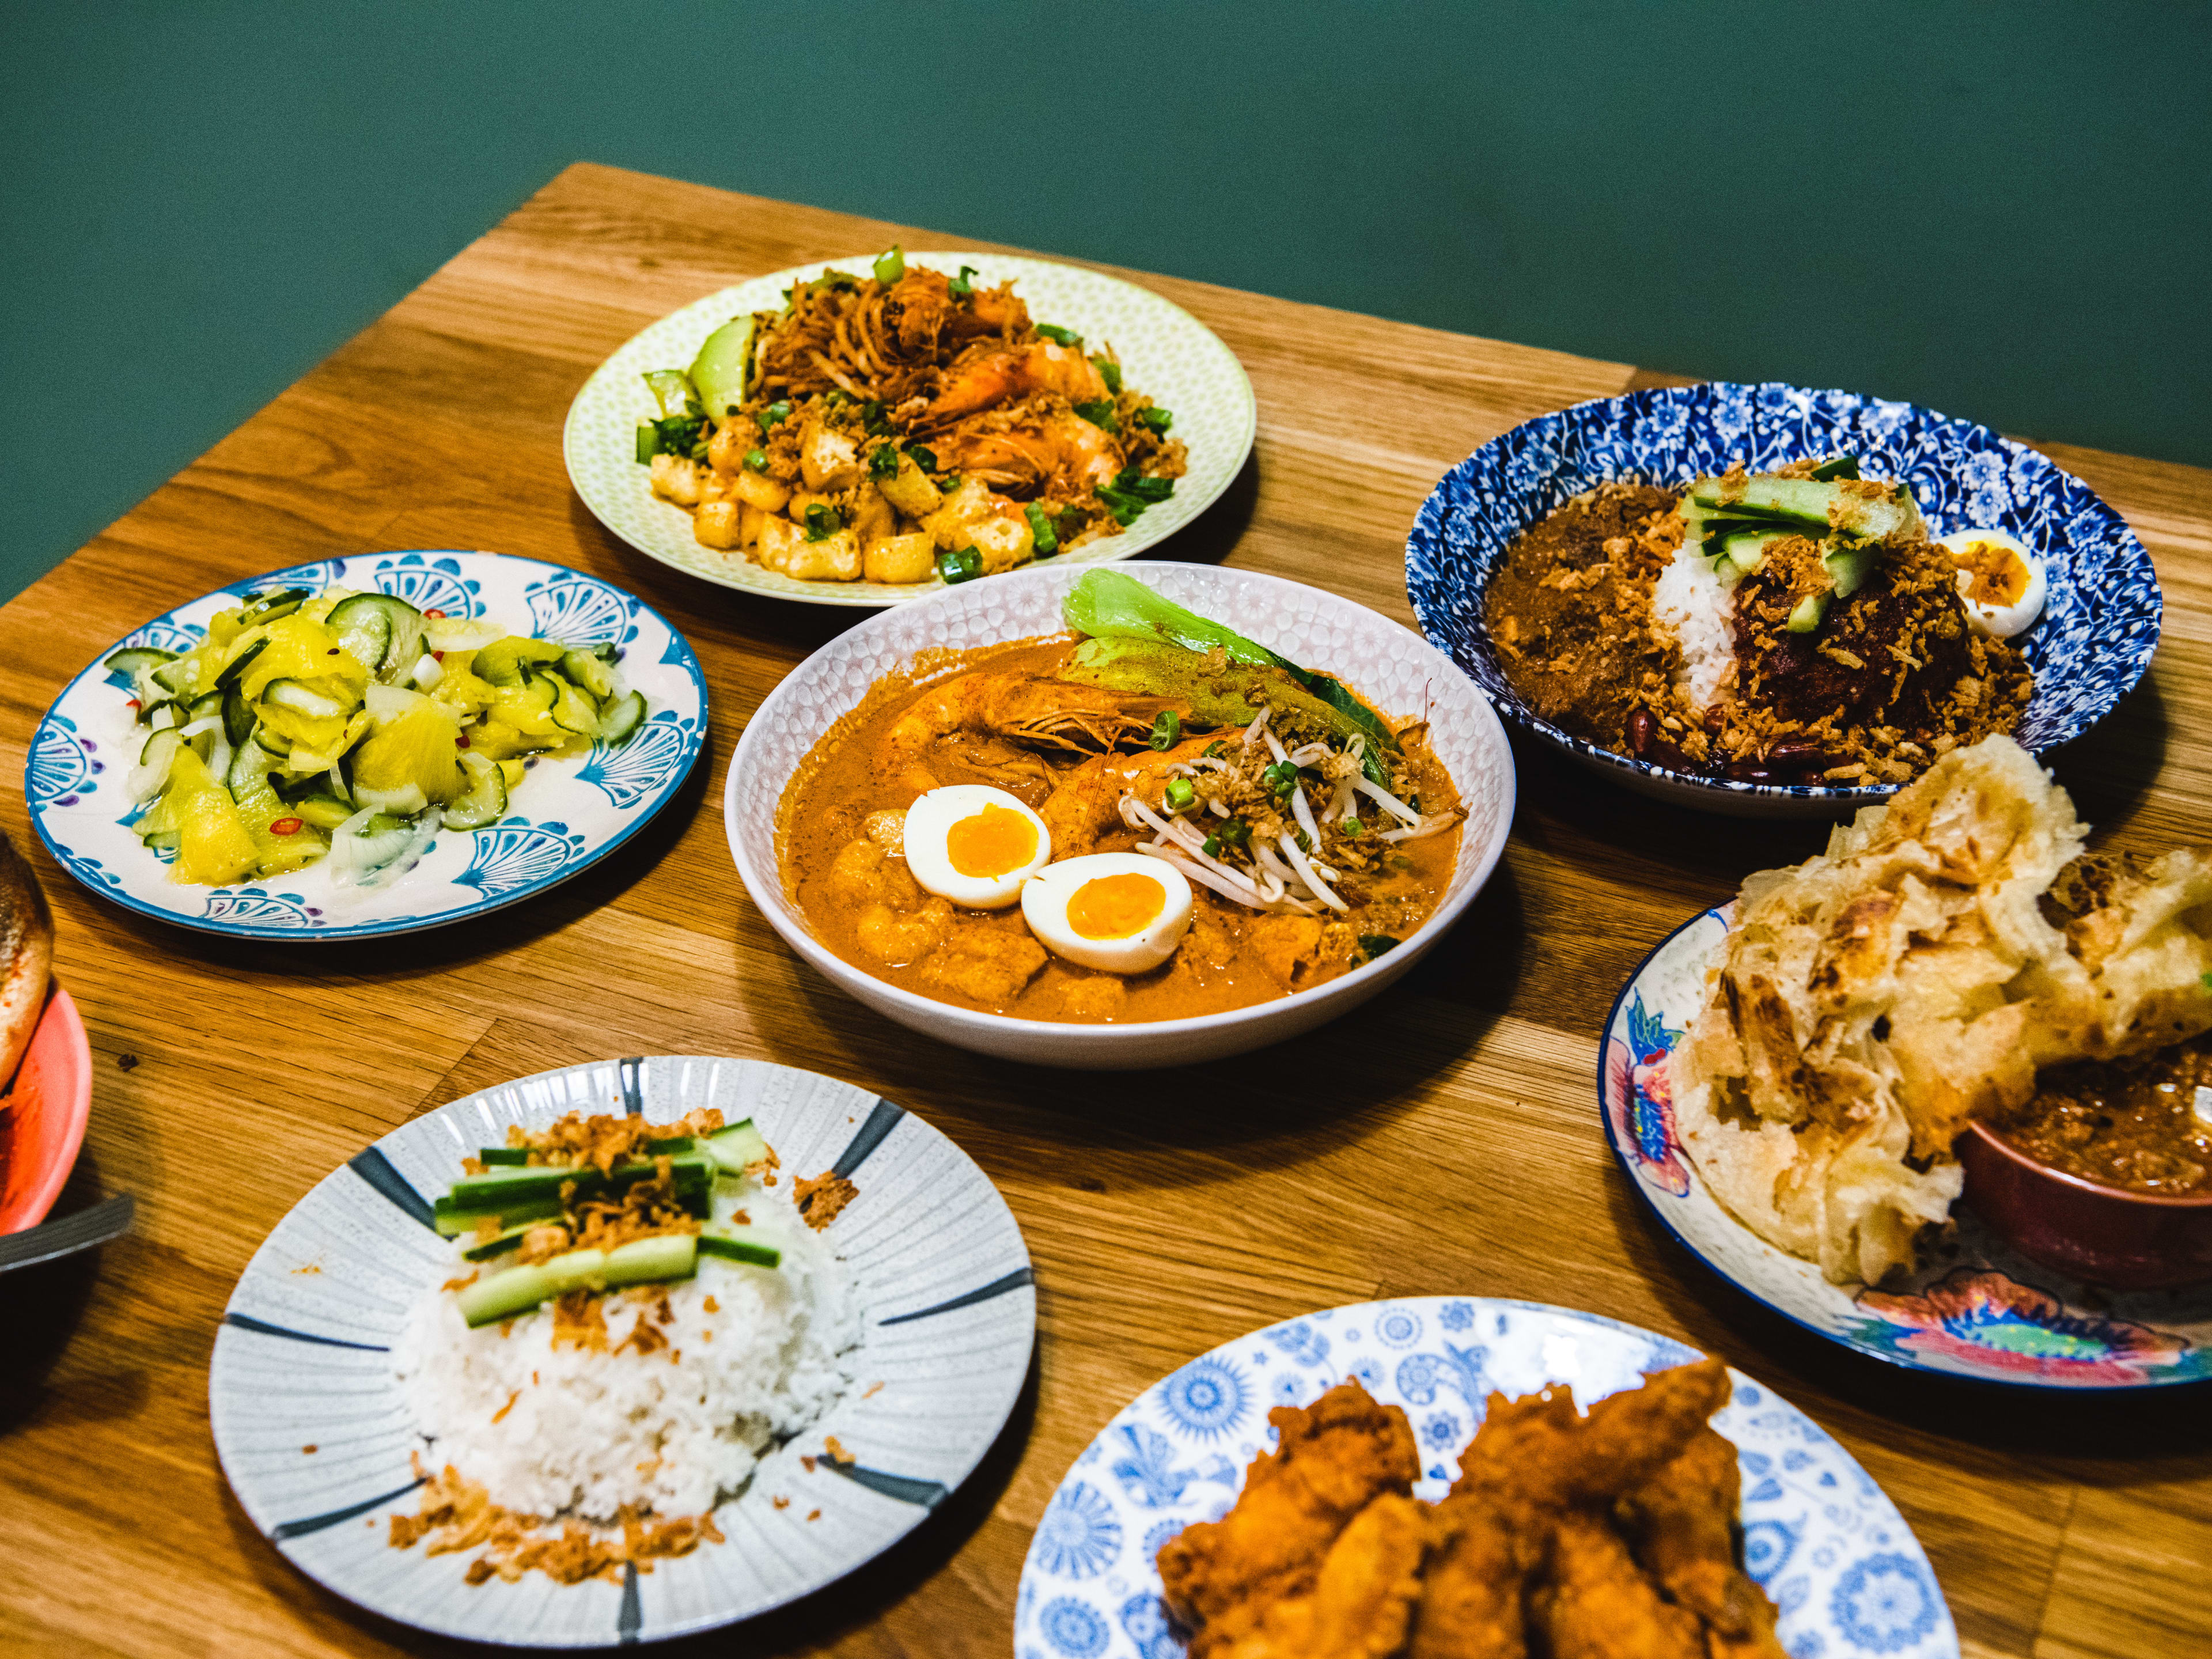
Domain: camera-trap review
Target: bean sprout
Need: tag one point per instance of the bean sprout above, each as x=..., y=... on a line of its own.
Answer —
x=1259, y=725
x=1303, y=814
x=1389, y=802
x=1312, y=754
x=1435, y=825
x=1310, y=875
x=1275, y=747
x=1203, y=876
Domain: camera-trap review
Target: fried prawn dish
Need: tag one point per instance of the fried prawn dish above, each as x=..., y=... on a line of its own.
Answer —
x=903, y=425
x=1953, y=956
x=1609, y=1535
x=1146, y=817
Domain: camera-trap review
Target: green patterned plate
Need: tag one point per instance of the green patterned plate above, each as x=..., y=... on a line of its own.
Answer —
x=1165, y=351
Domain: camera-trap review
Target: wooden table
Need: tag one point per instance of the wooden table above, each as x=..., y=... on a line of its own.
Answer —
x=1166, y=1214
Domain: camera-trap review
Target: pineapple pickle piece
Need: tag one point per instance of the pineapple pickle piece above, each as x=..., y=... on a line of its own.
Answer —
x=495, y=740
x=528, y=707
x=260, y=810
x=418, y=747
x=213, y=843
x=459, y=684
x=299, y=648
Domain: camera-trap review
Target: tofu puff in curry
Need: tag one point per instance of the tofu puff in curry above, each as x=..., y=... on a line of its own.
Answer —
x=1146, y=817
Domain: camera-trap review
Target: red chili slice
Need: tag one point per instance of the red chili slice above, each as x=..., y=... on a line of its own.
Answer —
x=285, y=827
x=440, y=615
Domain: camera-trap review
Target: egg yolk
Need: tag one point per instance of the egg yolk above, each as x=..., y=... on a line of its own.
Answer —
x=1999, y=574
x=991, y=843
x=1114, y=906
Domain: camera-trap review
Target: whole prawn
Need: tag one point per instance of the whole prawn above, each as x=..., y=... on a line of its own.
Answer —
x=1042, y=714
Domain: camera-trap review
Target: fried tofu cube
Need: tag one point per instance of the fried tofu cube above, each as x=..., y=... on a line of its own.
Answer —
x=676, y=479
x=910, y=491
x=900, y=559
x=758, y=490
x=871, y=517
x=835, y=558
x=715, y=524
x=1004, y=539
x=949, y=523
x=826, y=459
x=726, y=450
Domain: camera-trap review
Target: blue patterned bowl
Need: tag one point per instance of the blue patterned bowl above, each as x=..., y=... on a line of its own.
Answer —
x=565, y=815
x=1818, y=1533
x=2092, y=643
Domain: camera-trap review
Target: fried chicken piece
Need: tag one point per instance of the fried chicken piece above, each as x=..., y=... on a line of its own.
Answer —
x=1537, y=1451
x=1471, y=1594
x=1332, y=1459
x=1683, y=1521
x=1362, y=1603
x=1597, y=1604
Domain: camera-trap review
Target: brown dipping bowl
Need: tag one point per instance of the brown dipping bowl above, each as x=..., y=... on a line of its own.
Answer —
x=2107, y=1236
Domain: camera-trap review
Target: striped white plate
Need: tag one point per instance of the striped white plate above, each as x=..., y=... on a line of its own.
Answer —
x=948, y=1313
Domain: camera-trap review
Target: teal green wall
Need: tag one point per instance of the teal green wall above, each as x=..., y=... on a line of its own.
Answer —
x=2001, y=209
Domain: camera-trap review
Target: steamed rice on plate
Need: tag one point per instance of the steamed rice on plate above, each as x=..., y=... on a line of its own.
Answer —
x=636, y=1314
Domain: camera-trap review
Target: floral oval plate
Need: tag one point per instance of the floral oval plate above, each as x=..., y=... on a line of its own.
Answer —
x=1165, y=352
x=1819, y=1534
x=1976, y=1309
x=564, y=817
x=317, y=1440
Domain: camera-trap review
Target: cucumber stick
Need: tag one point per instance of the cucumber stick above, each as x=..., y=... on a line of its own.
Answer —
x=750, y=1245
x=720, y=371
x=736, y=1147
x=517, y=1290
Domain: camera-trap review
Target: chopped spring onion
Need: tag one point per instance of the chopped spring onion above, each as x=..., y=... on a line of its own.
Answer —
x=1110, y=371
x=769, y=417
x=924, y=458
x=889, y=267
x=1181, y=797
x=1155, y=417
x=964, y=283
x=1067, y=336
x=822, y=522
x=963, y=565
x=1040, y=530
x=1099, y=411
x=756, y=459
x=884, y=462
x=1167, y=730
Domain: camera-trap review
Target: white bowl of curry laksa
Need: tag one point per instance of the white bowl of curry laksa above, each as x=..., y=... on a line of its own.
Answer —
x=1100, y=819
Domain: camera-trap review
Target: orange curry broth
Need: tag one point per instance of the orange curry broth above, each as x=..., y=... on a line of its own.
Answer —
x=1232, y=958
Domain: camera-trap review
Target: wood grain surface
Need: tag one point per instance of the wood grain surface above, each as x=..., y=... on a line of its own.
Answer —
x=1446, y=1139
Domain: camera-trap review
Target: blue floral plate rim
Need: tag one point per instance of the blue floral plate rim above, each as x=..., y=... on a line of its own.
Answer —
x=452, y=568
x=1958, y=1295
x=1841, y=1562
x=1430, y=551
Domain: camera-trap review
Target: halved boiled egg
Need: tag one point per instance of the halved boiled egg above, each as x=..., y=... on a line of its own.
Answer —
x=2000, y=580
x=1119, y=912
x=974, y=845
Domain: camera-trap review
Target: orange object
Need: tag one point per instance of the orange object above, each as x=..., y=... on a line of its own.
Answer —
x=45, y=1112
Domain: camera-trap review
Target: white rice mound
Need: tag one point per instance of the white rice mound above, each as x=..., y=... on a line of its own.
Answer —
x=675, y=1431
x=1691, y=606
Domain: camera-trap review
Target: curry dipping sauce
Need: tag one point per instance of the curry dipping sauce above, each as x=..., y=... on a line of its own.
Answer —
x=2137, y=1124
x=1043, y=782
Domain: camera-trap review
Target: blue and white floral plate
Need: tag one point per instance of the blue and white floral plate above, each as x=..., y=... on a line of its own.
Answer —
x=1819, y=1534
x=565, y=815
x=317, y=1441
x=1976, y=1309
x=2095, y=638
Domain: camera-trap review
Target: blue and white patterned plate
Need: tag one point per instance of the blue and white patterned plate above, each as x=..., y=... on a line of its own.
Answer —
x=1819, y=1534
x=1976, y=1309
x=315, y=1437
x=2099, y=628
x=564, y=818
